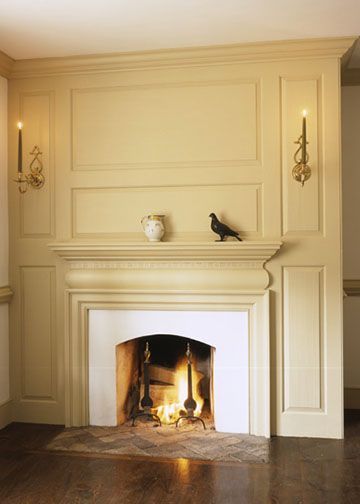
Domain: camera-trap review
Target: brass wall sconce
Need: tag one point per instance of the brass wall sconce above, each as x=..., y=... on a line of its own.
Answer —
x=302, y=171
x=35, y=177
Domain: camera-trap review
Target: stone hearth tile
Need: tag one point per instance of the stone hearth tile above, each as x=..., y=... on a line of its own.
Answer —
x=168, y=431
x=118, y=436
x=198, y=444
x=166, y=441
x=79, y=447
x=154, y=438
x=215, y=451
x=142, y=443
x=208, y=446
x=176, y=438
x=69, y=433
x=210, y=434
x=100, y=431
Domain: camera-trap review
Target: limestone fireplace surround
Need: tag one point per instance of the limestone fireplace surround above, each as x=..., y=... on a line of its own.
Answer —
x=174, y=276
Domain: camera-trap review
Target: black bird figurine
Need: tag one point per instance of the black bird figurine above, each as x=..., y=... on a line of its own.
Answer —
x=222, y=229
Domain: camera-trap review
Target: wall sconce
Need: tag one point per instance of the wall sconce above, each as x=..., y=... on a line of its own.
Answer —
x=34, y=178
x=302, y=171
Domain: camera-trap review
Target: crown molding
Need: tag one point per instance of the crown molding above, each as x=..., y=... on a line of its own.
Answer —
x=6, y=65
x=185, y=57
x=6, y=294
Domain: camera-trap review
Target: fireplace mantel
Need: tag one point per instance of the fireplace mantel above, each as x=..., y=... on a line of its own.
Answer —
x=246, y=251
x=145, y=265
x=175, y=276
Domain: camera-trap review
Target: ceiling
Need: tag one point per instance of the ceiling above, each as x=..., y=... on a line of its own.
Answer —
x=48, y=28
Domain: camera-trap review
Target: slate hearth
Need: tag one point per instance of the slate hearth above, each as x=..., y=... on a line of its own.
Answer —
x=167, y=442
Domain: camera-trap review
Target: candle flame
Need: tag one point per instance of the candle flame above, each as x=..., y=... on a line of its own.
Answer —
x=20, y=125
x=304, y=113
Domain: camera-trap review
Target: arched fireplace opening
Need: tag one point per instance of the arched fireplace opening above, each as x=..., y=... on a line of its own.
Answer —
x=167, y=357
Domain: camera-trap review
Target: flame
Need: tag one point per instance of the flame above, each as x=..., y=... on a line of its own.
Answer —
x=169, y=412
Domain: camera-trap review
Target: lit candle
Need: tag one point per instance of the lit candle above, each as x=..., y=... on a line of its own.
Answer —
x=303, y=150
x=19, y=125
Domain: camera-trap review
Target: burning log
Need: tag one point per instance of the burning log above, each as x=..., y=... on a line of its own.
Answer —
x=162, y=374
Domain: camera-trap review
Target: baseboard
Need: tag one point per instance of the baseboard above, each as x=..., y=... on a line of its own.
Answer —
x=352, y=398
x=5, y=414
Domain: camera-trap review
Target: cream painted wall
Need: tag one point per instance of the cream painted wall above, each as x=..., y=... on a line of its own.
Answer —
x=4, y=245
x=351, y=231
x=183, y=137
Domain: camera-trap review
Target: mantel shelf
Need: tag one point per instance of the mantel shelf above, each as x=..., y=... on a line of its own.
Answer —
x=245, y=251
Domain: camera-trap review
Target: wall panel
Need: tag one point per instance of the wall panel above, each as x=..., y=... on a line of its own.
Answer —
x=303, y=338
x=38, y=368
x=190, y=124
x=118, y=211
x=36, y=207
x=302, y=206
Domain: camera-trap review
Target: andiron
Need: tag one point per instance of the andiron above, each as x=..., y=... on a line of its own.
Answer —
x=190, y=403
x=146, y=402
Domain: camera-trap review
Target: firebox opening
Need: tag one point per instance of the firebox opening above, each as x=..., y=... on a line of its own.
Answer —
x=168, y=377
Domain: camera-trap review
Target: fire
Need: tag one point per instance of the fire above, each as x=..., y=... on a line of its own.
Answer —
x=169, y=412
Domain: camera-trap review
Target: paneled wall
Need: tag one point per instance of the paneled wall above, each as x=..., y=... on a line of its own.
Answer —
x=185, y=139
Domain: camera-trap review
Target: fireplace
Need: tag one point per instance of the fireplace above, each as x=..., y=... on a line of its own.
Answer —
x=212, y=293
x=152, y=380
x=224, y=333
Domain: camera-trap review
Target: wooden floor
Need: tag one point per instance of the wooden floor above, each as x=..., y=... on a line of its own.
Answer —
x=301, y=471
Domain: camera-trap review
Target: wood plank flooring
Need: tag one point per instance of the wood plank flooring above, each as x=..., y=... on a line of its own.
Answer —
x=301, y=471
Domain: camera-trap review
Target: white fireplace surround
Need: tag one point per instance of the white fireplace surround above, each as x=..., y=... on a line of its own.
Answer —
x=167, y=277
x=226, y=332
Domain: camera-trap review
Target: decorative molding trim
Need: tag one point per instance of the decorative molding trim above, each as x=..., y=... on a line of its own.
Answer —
x=6, y=65
x=216, y=252
x=6, y=294
x=352, y=398
x=350, y=77
x=168, y=265
x=5, y=414
x=352, y=287
x=185, y=57
x=152, y=266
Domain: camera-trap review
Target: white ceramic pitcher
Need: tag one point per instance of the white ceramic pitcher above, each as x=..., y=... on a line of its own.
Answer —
x=153, y=227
